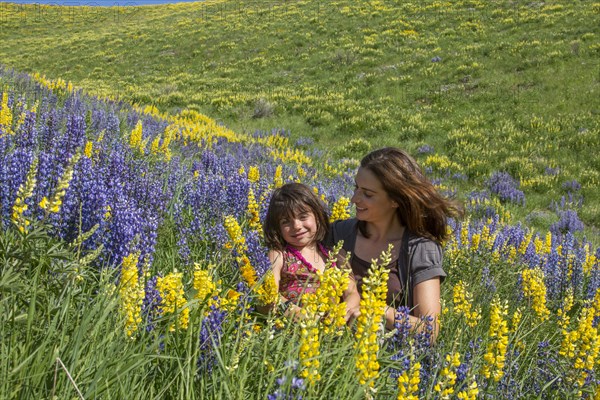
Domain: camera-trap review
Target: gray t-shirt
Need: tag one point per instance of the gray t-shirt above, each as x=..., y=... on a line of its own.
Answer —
x=419, y=255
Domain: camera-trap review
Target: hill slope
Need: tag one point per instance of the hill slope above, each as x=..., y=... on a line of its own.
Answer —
x=491, y=86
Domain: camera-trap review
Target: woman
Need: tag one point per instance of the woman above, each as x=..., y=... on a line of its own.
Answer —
x=396, y=204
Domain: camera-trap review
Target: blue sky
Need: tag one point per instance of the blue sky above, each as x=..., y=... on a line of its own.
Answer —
x=104, y=3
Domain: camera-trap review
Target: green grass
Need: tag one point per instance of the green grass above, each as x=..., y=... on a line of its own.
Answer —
x=516, y=88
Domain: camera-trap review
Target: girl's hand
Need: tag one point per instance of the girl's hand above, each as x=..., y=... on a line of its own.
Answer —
x=352, y=314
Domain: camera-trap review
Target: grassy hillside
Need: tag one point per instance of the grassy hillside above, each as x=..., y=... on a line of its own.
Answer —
x=131, y=264
x=489, y=86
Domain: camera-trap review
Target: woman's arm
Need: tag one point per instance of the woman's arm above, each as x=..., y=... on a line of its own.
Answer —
x=352, y=299
x=426, y=298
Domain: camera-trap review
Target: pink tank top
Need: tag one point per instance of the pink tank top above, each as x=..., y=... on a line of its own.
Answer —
x=297, y=277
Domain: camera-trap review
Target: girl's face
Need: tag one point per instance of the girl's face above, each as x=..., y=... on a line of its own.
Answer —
x=300, y=229
x=370, y=198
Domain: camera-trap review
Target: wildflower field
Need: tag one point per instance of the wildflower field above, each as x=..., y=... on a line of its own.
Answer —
x=131, y=255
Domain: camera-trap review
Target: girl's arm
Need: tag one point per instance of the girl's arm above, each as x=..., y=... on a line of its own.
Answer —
x=426, y=298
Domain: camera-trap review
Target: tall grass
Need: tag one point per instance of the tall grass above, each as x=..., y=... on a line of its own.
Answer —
x=520, y=308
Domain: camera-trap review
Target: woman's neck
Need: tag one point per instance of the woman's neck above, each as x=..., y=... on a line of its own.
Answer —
x=388, y=230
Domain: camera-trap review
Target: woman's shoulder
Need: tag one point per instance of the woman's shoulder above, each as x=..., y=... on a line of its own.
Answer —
x=342, y=229
x=424, y=251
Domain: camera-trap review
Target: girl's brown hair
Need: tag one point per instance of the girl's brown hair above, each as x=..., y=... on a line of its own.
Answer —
x=288, y=201
x=421, y=208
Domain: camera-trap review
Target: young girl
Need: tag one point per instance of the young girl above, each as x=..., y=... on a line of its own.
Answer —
x=295, y=225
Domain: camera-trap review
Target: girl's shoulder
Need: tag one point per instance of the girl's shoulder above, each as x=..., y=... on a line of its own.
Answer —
x=276, y=257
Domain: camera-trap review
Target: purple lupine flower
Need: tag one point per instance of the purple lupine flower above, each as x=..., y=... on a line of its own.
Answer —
x=552, y=171
x=304, y=142
x=26, y=135
x=15, y=167
x=555, y=275
x=210, y=338
x=151, y=304
x=506, y=188
x=569, y=222
x=571, y=186
x=257, y=253
x=288, y=389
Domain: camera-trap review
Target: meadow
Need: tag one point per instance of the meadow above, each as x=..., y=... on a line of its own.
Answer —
x=139, y=148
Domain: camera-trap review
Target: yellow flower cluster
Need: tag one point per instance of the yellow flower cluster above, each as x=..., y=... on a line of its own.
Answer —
x=564, y=319
x=25, y=191
x=253, y=212
x=6, y=115
x=447, y=378
x=291, y=155
x=56, y=85
x=471, y=392
x=324, y=304
x=157, y=147
x=408, y=383
x=173, y=300
x=277, y=178
x=135, y=138
x=340, y=209
x=53, y=205
x=238, y=241
x=89, y=146
x=535, y=290
x=582, y=345
x=525, y=243
x=590, y=260
x=369, y=323
x=498, y=341
x=247, y=271
x=267, y=292
x=203, y=283
x=131, y=293
x=239, y=244
x=462, y=299
x=309, y=350
x=253, y=174
x=323, y=312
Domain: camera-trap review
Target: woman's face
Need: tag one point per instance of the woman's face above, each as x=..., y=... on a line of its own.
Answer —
x=370, y=198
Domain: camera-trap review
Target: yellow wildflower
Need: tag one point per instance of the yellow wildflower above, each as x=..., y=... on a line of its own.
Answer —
x=462, y=299
x=253, y=212
x=340, y=209
x=173, y=300
x=369, y=323
x=53, y=204
x=267, y=292
x=277, y=179
x=25, y=191
x=253, y=174
x=131, y=293
x=203, y=283
x=495, y=356
x=408, y=383
x=535, y=290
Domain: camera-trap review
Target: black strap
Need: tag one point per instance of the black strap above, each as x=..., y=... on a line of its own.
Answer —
x=404, y=270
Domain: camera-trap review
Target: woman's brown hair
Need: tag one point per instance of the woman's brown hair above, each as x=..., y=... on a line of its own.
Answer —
x=421, y=208
x=288, y=201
